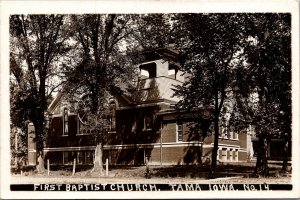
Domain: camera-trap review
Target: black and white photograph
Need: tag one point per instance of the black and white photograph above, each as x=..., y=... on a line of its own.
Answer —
x=182, y=102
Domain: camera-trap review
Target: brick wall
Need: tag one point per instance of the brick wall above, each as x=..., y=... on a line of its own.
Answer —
x=243, y=139
x=169, y=132
x=243, y=156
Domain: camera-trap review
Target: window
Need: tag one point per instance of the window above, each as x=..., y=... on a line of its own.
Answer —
x=148, y=70
x=236, y=136
x=144, y=73
x=233, y=135
x=224, y=133
x=112, y=108
x=83, y=125
x=229, y=155
x=68, y=157
x=65, y=121
x=235, y=155
x=84, y=115
x=148, y=122
x=65, y=157
x=147, y=155
x=89, y=157
x=179, y=128
x=224, y=130
x=172, y=72
x=230, y=135
x=224, y=154
x=219, y=155
x=80, y=157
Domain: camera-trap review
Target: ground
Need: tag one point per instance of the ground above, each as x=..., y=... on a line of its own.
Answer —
x=229, y=173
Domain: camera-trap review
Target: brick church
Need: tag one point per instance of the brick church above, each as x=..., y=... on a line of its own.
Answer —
x=145, y=128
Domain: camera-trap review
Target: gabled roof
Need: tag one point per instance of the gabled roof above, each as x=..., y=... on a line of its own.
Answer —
x=121, y=98
x=54, y=102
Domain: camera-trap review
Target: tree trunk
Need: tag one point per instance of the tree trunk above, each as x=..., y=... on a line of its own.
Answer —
x=205, y=125
x=285, y=156
x=98, y=163
x=265, y=168
x=215, y=148
x=40, y=166
x=201, y=154
x=39, y=145
x=258, y=161
x=216, y=135
x=261, y=168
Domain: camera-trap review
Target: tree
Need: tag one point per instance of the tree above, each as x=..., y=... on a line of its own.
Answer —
x=266, y=76
x=101, y=69
x=37, y=42
x=18, y=126
x=153, y=31
x=210, y=46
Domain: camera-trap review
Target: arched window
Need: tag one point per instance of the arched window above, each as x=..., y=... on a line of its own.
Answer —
x=113, y=109
x=65, y=121
x=85, y=119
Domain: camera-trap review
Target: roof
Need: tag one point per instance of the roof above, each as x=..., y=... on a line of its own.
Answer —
x=169, y=53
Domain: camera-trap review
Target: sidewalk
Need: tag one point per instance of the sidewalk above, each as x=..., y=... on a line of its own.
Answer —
x=18, y=179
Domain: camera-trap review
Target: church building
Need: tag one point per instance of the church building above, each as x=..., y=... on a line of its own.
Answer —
x=143, y=127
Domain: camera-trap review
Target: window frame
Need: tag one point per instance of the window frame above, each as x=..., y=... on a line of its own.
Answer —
x=113, y=116
x=235, y=155
x=65, y=117
x=224, y=154
x=145, y=126
x=179, y=124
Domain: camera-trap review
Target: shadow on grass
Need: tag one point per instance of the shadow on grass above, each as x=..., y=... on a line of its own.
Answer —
x=244, y=170
x=203, y=172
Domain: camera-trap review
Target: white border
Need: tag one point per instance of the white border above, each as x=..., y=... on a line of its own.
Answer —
x=155, y=6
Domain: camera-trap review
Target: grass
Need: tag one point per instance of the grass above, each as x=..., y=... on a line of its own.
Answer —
x=244, y=170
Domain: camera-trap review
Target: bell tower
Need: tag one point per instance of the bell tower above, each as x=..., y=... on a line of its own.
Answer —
x=160, y=72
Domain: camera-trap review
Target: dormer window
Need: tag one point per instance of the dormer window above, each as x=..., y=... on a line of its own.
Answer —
x=148, y=70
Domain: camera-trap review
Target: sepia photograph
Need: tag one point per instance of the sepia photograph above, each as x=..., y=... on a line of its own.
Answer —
x=159, y=104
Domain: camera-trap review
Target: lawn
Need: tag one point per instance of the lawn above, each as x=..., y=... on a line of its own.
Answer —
x=226, y=173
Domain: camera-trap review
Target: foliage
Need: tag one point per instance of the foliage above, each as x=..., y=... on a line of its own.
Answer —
x=18, y=146
x=263, y=89
x=236, y=61
x=37, y=43
x=242, y=60
x=153, y=31
x=209, y=45
x=101, y=66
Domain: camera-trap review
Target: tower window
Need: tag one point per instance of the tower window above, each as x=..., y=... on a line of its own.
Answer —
x=172, y=72
x=148, y=70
